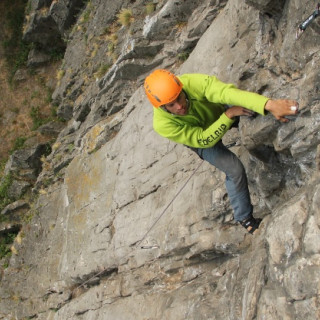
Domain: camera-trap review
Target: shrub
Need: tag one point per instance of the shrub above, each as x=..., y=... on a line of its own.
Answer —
x=15, y=50
x=183, y=56
x=5, y=245
x=37, y=119
x=85, y=17
x=125, y=17
x=60, y=74
x=150, y=7
x=6, y=182
x=102, y=70
x=18, y=144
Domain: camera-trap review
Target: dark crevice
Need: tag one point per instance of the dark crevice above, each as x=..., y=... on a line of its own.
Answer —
x=246, y=75
x=210, y=255
x=155, y=189
x=91, y=280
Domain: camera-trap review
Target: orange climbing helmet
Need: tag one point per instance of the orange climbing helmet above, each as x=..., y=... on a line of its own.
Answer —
x=162, y=87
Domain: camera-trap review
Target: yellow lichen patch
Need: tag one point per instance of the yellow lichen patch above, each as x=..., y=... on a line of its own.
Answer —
x=60, y=74
x=90, y=139
x=43, y=192
x=14, y=250
x=95, y=50
x=56, y=145
x=79, y=100
x=43, y=11
x=181, y=25
x=15, y=298
x=19, y=238
x=45, y=163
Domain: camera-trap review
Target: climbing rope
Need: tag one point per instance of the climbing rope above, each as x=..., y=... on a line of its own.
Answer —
x=169, y=204
x=303, y=26
x=138, y=243
x=145, y=235
x=166, y=208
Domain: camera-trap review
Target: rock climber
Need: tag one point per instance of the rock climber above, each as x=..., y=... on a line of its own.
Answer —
x=196, y=110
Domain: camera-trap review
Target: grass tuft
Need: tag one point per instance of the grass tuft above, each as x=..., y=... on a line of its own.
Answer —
x=5, y=243
x=6, y=182
x=125, y=17
x=150, y=8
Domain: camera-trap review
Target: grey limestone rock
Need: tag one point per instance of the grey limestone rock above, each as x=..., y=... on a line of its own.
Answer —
x=134, y=226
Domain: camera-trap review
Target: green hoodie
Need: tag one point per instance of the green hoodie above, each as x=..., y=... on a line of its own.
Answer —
x=205, y=123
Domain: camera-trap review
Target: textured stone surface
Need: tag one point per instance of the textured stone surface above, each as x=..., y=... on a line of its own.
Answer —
x=48, y=22
x=121, y=235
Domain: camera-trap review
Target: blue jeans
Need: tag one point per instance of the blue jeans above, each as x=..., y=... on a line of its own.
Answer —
x=236, y=178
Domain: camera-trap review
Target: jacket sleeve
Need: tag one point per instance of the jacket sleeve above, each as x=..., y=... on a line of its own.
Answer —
x=194, y=136
x=212, y=89
x=207, y=88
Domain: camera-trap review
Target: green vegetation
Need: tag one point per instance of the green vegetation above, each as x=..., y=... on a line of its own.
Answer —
x=18, y=144
x=2, y=166
x=102, y=70
x=5, y=245
x=37, y=119
x=70, y=147
x=15, y=50
x=56, y=54
x=49, y=94
x=60, y=74
x=27, y=217
x=183, y=56
x=85, y=17
x=125, y=17
x=35, y=94
x=150, y=8
x=5, y=184
x=111, y=48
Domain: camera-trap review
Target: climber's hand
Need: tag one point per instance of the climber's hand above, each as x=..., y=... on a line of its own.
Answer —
x=281, y=108
x=236, y=111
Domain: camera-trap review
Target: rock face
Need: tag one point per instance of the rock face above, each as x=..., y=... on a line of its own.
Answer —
x=49, y=20
x=136, y=227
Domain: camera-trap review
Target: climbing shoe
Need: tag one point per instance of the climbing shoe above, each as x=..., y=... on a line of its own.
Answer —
x=251, y=224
